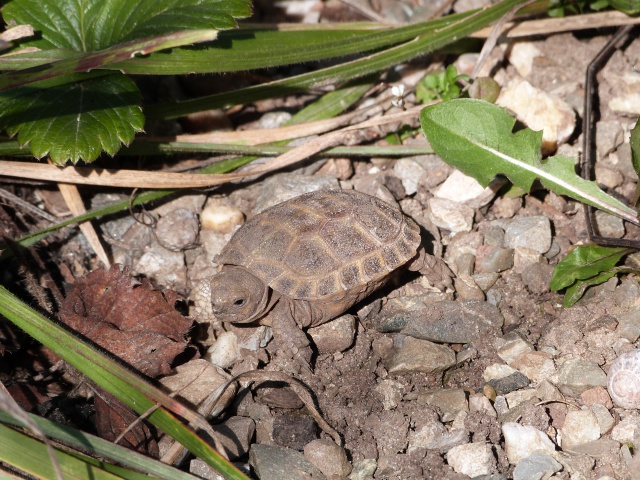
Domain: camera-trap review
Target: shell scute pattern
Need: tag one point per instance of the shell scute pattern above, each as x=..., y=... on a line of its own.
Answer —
x=324, y=244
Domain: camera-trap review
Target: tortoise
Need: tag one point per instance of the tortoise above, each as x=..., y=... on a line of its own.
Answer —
x=305, y=261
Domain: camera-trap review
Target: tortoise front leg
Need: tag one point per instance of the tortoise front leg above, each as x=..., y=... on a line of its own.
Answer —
x=434, y=268
x=293, y=349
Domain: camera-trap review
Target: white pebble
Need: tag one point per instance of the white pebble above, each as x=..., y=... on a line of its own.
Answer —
x=225, y=351
x=520, y=441
x=472, y=459
x=220, y=218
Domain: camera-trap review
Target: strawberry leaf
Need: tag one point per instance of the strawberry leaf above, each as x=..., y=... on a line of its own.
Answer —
x=78, y=116
x=477, y=138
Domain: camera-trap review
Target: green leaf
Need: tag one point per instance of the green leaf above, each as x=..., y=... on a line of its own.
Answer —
x=74, y=121
x=477, y=138
x=576, y=291
x=88, y=25
x=630, y=7
x=635, y=147
x=585, y=262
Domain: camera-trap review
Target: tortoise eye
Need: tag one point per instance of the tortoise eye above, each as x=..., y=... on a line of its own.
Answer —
x=239, y=302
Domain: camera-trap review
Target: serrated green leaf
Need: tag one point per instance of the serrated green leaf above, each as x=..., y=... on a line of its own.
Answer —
x=477, y=138
x=74, y=121
x=585, y=262
x=88, y=25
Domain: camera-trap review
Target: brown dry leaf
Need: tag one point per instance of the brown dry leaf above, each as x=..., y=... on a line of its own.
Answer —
x=113, y=417
x=135, y=323
x=129, y=319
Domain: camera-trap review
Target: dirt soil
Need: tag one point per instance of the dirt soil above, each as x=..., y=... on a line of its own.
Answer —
x=379, y=412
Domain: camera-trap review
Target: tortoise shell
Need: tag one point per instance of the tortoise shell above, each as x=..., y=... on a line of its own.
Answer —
x=324, y=244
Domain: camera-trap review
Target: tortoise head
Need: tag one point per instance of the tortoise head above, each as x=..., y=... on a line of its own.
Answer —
x=237, y=296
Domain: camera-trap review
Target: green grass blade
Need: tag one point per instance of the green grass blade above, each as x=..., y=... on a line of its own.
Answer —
x=422, y=45
x=95, y=445
x=128, y=387
x=30, y=456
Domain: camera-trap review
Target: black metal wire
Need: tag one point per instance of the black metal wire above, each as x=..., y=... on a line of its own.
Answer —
x=588, y=146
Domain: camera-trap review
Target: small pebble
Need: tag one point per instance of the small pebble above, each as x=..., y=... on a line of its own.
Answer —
x=273, y=119
x=536, y=466
x=178, y=229
x=276, y=463
x=465, y=189
x=580, y=427
x=609, y=225
x=511, y=346
x=330, y=458
x=493, y=259
x=220, y=218
x=235, y=435
x=334, y=336
x=628, y=430
x=605, y=420
x=163, y=266
x=577, y=375
x=536, y=366
x=435, y=436
x=539, y=111
x=524, y=257
x=522, y=56
x=294, y=431
x=472, y=459
x=450, y=322
x=450, y=401
x=225, y=352
x=411, y=355
x=508, y=384
x=520, y=441
x=529, y=232
x=364, y=469
x=409, y=170
x=449, y=215
x=497, y=371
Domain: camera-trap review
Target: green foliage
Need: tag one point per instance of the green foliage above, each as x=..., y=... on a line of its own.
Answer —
x=560, y=8
x=76, y=117
x=442, y=84
x=477, y=138
x=583, y=267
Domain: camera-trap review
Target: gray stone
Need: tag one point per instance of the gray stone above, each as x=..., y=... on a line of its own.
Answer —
x=598, y=448
x=277, y=463
x=465, y=189
x=330, y=458
x=529, y=232
x=411, y=355
x=364, y=469
x=485, y=280
x=580, y=427
x=235, y=435
x=284, y=186
x=334, y=336
x=578, y=375
x=409, y=171
x=203, y=470
x=449, y=215
x=450, y=401
x=163, y=266
x=494, y=236
x=472, y=459
x=493, y=259
x=435, y=436
x=537, y=277
x=294, y=431
x=511, y=346
x=448, y=321
x=536, y=466
x=609, y=225
x=510, y=383
x=629, y=324
x=273, y=119
x=466, y=288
